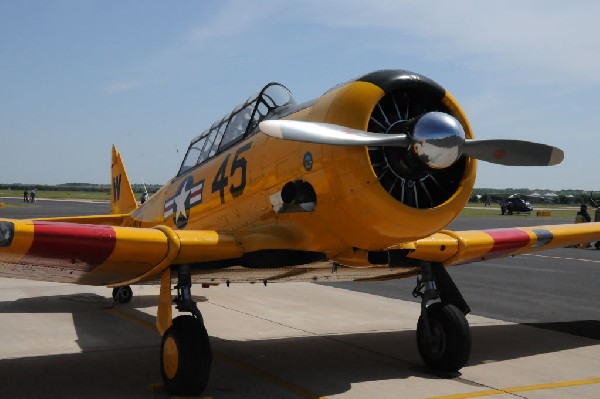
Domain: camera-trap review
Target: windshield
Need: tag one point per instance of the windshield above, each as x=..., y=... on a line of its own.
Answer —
x=242, y=121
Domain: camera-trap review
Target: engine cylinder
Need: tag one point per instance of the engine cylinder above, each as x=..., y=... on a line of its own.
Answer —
x=429, y=172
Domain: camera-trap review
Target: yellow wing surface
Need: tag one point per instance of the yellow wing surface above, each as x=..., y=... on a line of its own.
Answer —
x=101, y=254
x=458, y=247
x=112, y=255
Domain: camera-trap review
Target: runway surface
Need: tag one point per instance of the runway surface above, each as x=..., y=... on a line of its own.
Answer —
x=42, y=208
x=535, y=323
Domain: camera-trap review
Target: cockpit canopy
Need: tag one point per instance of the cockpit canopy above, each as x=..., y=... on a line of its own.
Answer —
x=241, y=122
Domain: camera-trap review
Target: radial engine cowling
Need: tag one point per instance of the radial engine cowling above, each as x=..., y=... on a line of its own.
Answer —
x=396, y=193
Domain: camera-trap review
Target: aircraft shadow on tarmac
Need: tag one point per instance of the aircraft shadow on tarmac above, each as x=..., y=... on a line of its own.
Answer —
x=119, y=357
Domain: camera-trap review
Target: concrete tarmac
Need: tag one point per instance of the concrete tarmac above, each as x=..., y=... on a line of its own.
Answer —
x=302, y=340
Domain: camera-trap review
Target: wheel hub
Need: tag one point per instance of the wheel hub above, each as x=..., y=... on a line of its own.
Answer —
x=437, y=340
x=170, y=357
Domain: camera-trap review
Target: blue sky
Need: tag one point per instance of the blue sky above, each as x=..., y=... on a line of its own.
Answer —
x=77, y=76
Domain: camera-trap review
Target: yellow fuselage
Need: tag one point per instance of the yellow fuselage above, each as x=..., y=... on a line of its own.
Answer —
x=353, y=212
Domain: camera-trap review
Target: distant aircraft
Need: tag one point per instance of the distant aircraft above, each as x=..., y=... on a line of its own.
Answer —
x=357, y=184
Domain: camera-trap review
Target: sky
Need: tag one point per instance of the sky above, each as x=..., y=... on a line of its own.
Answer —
x=77, y=76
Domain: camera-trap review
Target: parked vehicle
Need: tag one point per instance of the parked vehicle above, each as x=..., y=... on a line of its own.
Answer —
x=514, y=204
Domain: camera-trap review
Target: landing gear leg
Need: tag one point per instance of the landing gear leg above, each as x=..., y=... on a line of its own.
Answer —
x=443, y=335
x=186, y=355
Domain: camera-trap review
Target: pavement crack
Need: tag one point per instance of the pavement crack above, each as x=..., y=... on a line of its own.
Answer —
x=500, y=391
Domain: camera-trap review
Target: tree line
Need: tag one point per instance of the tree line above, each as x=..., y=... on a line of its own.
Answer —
x=87, y=187
x=558, y=196
x=495, y=195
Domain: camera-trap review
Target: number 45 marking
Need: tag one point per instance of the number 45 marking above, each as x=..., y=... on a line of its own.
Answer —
x=221, y=180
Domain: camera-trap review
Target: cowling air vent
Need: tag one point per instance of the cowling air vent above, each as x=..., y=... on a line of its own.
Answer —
x=399, y=170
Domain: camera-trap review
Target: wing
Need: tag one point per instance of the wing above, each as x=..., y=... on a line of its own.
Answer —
x=457, y=247
x=102, y=254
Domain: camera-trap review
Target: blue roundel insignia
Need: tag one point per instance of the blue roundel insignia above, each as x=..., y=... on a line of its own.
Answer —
x=308, y=161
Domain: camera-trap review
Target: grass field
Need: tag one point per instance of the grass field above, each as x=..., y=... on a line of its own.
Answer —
x=556, y=211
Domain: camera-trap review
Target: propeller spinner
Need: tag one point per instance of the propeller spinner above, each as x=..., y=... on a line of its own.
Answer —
x=437, y=138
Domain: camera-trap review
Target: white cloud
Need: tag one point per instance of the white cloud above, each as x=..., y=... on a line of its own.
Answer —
x=234, y=18
x=547, y=38
x=121, y=87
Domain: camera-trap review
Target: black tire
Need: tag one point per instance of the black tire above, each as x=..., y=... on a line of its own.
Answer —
x=450, y=344
x=185, y=357
x=122, y=294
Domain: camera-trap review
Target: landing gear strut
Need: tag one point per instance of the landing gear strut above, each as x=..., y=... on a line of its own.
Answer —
x=443, y=335
x=185, y=355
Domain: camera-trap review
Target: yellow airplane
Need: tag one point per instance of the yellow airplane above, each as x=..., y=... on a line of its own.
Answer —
x=357, y=184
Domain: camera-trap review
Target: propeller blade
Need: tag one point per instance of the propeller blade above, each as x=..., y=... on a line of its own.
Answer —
x=325, y=133
x=513, y=152
x=437, y=139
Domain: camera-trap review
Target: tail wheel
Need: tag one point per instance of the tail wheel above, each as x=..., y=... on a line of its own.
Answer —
x=185, y=357
x=448, y=345
x=122, y=294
